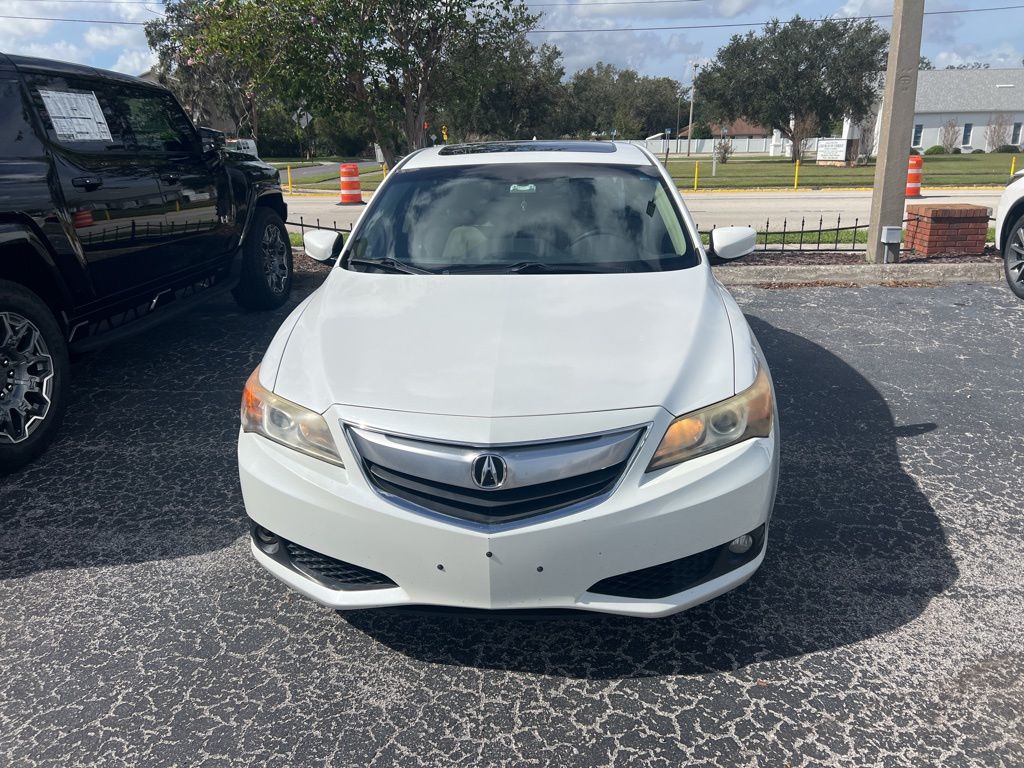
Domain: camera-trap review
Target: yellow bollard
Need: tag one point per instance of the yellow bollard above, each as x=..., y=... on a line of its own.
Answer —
x=289, y=179
x=384, y=170
x=696, y=174
x=1013, y=165
x=796, y=175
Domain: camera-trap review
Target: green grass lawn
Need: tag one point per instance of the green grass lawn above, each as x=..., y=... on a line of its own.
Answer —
x=369, y=178
x=747, y=173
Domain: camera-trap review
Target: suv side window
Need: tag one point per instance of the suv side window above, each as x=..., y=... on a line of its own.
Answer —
x=157, y=123
x=77, y=113
x=100, y=116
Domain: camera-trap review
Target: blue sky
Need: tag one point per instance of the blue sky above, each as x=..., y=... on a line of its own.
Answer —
x=992, y=37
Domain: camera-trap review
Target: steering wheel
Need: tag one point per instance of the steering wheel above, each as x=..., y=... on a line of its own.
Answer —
x=597, y=232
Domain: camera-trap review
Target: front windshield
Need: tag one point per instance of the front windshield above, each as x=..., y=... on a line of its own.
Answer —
x=522, y=217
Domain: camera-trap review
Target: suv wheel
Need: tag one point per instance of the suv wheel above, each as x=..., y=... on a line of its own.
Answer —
x=266, y=278
x=33, y=376
x=1013, y=257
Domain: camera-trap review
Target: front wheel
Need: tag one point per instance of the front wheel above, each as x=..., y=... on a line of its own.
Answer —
x=1013, y=257
x=266, y=278
x=34, y=374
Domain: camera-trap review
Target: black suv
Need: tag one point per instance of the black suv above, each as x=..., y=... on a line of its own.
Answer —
x=115, y=213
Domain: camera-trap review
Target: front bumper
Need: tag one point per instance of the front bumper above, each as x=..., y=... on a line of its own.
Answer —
x=549, y=563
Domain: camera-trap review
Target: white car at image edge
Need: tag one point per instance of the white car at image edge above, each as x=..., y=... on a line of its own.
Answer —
x=520, y=387
x=1010, y=232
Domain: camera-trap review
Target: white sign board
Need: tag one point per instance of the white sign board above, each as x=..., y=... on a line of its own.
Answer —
x=833, y=150
x=76, y=116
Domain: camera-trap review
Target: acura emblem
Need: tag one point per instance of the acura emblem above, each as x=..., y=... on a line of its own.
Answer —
x=489, y=471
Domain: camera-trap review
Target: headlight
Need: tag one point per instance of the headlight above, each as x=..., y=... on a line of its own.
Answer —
x=284, y=422
x=746, y=415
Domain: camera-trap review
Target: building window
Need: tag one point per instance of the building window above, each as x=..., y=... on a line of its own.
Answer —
x=1015, y=136
x=916, y=140
x=968, y=130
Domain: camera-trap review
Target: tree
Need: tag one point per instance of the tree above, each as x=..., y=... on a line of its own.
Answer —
x=388, y=61
x=606, y=98
x=925, y=63
x=997, y=133
x=796, y=75
x=949, y=135
x=968, y=65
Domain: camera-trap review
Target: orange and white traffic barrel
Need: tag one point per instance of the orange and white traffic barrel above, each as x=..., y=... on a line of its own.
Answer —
x=348, y=185
x=914, y=176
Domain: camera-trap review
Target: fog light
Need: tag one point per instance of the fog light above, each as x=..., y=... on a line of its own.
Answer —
x=741, y=544
x=267, y=541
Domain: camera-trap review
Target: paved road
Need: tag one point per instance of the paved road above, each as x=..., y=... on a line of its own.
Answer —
x=885, y=627
x=711, y=209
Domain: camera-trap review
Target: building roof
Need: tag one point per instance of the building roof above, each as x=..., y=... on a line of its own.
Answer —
x=740, y=127
x=970, y=90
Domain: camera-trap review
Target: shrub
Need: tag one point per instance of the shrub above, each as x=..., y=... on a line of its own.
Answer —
x=977, y=151
x=957, y=151
x=1007, y=149
x=914, y=152
x=938, y=149
x=723, y=150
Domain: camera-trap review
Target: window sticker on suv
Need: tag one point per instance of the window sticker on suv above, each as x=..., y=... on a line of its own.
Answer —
x=76, y=116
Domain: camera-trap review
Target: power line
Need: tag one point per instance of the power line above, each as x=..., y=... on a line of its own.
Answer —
x=77, y=21
x=568, y=31
x=762, y=23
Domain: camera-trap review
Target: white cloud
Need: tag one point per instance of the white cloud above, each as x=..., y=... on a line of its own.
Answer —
x=134, y=62
x=110, y=36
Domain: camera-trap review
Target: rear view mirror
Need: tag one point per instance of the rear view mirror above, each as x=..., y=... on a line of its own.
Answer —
x=730, y=243
x=322, y=245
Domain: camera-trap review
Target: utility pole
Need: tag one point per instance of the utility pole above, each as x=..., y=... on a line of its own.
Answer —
x=693, y=95
x=888, y=193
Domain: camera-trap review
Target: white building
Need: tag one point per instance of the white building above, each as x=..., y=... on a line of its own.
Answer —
x=971, y=102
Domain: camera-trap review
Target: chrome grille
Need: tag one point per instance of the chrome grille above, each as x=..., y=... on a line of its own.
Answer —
x=540, y=477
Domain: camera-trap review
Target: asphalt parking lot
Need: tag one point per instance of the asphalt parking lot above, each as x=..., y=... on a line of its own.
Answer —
x=885, y=627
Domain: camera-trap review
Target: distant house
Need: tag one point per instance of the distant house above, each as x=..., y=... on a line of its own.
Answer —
x=973, y=100
x=737, y=129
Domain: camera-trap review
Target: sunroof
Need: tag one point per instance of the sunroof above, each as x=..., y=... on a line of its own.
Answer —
x=528, y=146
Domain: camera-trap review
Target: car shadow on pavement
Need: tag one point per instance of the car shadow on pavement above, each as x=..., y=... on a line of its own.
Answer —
x=855, y=551
x=145, y=465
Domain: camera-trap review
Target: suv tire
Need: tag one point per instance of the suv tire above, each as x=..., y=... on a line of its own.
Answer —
x=1013, y=257
x=266, y=279
x=34, y=376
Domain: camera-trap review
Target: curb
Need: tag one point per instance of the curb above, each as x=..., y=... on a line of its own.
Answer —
x=861, y=274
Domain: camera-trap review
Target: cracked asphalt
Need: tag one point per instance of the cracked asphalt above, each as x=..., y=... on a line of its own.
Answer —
x=885, y=627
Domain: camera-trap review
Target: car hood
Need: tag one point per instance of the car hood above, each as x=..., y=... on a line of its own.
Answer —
x=510, y=345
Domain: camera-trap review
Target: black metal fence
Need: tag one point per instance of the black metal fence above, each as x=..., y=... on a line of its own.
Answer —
x=303, y=225
x=809, y=236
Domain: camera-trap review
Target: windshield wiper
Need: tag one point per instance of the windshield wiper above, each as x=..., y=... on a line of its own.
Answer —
x=391, y=265
x=525, y=267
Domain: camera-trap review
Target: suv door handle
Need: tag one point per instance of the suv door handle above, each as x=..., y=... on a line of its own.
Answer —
x=87, y=182
x=170, y=178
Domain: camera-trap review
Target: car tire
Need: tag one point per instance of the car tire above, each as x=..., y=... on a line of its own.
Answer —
x=266, y=279
x=34, y=376
x=1013, y=257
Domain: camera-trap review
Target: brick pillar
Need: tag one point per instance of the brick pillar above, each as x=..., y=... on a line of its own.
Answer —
x=952, y=229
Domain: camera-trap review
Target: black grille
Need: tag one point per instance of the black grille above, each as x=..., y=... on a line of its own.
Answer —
x=502, y=505
x=336, y=574
x=677, y=576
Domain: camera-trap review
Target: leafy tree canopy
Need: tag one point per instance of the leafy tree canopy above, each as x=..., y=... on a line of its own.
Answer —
x=796, y=76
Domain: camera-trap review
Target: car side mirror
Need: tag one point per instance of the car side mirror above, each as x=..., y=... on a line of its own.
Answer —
x=323, y=245
x=730, y=243
x=212, y=140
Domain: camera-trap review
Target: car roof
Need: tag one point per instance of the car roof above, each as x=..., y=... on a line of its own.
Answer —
x=503, y=152
x=51, y=66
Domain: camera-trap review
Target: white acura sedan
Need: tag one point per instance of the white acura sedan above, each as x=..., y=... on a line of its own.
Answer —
x=520, y=387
